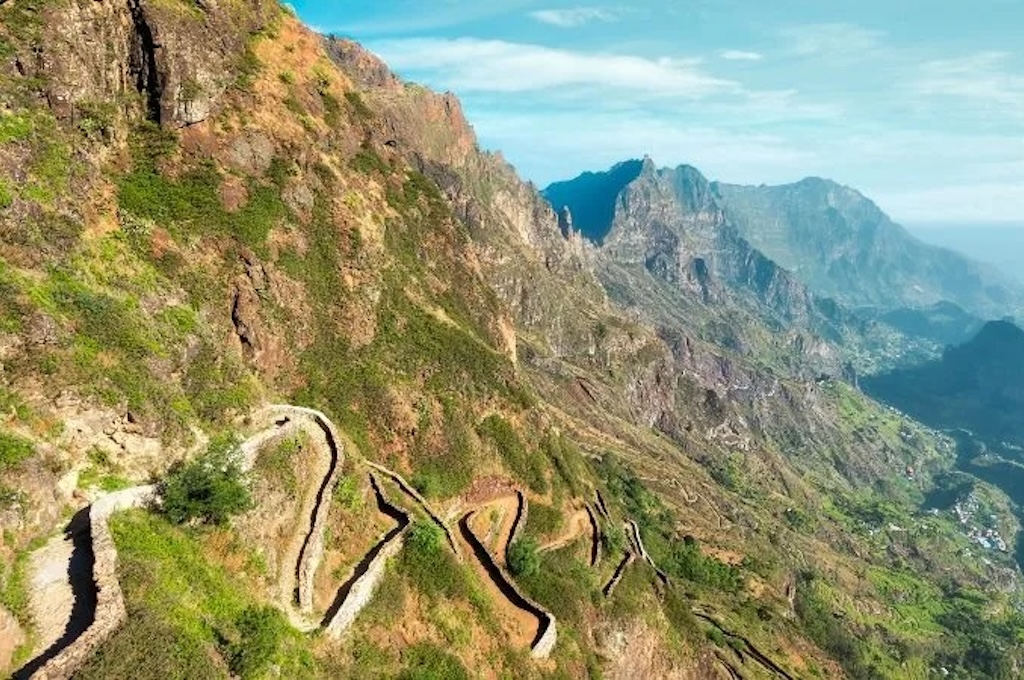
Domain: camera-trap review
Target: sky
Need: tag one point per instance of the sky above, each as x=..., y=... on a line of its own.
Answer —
x=919, y=104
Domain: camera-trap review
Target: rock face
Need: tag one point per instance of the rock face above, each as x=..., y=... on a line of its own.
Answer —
x=143, y=53
x=843, y=246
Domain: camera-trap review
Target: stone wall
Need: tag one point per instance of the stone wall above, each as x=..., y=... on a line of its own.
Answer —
x=635, y=532
x=548, y=635
x=411, y=491
x=522, y=511
x=110, y=609
x=365, y=585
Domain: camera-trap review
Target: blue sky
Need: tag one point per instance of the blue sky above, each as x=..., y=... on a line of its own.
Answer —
x=918, y=104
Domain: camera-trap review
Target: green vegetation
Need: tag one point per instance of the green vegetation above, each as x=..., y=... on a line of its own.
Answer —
x=188, y=617
x=446, y=469
x=261, y=630
x=542, y=520
x=358, y=106
x=209, y=489
x=277, y=464
x=528, y=467
x=560, y=582
x=14, y=449
x=427, y=562
x=680, y=557
x=427, y=661
x=523, y=558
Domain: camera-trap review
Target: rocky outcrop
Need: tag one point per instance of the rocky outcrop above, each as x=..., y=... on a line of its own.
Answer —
x=178, y=59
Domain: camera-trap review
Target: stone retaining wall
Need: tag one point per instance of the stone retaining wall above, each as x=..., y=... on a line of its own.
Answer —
x=365, y=585
x=547, y=636
x=416, y=496
x=110, y=611
x=635, y=530
x=627, y=560
x=519, y=523
x=595, y=537
x=312, y=552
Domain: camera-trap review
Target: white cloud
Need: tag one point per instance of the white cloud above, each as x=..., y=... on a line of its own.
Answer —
x=571, y=18
x=981, y=78
x=740, y=55
x=469, y=65
x=984, y=202
x=836, y=39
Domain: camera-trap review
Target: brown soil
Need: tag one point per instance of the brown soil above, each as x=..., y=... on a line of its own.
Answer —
x=520, y=626
x=576, y=527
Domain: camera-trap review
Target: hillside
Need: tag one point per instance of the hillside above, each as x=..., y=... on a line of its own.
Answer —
x=296, y=381
x=977, y=386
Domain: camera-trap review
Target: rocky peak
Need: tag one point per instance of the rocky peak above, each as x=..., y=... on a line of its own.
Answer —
x=363, y=66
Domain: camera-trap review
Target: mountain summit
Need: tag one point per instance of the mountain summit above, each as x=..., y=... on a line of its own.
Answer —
x=830, y=237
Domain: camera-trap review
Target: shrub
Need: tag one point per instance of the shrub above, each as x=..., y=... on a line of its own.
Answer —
x=13, y=450
x=523, y=558
x=210, y=489
x=260, y=629
x=427, y=661
x=426, y=562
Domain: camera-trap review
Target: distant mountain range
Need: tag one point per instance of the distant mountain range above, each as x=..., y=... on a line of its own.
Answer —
x=799, y=248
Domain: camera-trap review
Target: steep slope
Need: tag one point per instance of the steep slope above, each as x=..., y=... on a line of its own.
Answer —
x=319, y=233
x=977, y=386
x=842, y=246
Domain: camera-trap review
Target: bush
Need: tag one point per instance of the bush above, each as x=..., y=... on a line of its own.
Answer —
x=260, y=630
x=523, y=559
x=210, y=489
x=13, y=450
x=427, y=563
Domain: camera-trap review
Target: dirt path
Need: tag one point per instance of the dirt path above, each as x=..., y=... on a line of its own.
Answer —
x=497, y=532
x=521, y=626
x=64, y=590
x=576, y=527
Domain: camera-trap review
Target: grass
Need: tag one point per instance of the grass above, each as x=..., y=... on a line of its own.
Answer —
x=526, y=465
x=14, y=449
x=276, y=464
x=427, y=661
x=189, y=617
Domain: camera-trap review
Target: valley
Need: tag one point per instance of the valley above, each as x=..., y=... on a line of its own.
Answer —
x=297, y=380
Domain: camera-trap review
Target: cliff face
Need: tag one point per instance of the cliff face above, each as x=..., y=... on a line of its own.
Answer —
x=842, y=245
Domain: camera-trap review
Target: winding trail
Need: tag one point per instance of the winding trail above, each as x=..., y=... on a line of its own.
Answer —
x=749, y=648
x=639, y=543
x=411, y=491
x=576, y=527
x=88, y=606
x=358, y=589
x=527, y=623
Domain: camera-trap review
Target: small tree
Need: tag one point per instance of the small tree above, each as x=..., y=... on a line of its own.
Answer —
x=523, y=557
x=209, y=489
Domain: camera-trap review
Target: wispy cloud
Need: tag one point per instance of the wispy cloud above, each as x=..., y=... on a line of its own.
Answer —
x=470, y=65
x=966, y=203
x=982, y=78
x=833, y=38
x=740, y=55
x=608, y=138
x=576, y=16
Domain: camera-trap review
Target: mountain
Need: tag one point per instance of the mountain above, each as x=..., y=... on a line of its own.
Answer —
x=842, y=246
x=297, y=381
x=977, y=386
